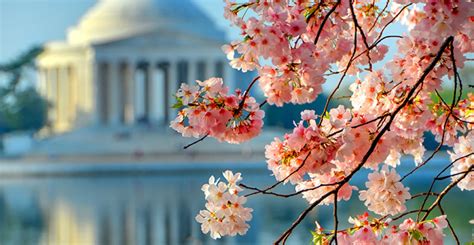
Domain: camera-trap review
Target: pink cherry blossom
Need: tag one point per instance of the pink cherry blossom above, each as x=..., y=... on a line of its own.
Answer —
x=294, y=55
x=209, y=110
x=464, y=147
x=225, y=214
x=385, y=193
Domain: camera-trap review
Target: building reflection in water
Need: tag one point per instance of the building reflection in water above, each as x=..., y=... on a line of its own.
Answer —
x=155, y=206
x=124, y=210
x=65, y=227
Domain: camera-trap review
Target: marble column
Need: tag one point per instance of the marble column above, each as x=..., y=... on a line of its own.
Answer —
x=149, y=90
x=171, y=86
x=73, y=101
x=113, y=92
x=42, y=82
x=193, y=72
x=229, y=77
x=210, y=68
x=51, y=95
x=160, y=97
x=129, y=87
x=63, y=97
x=219, y=68
x=98, y=77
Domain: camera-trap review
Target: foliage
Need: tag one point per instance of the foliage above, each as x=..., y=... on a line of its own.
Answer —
x=21, y=108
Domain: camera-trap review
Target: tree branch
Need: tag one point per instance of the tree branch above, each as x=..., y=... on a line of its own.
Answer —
x=425, y=73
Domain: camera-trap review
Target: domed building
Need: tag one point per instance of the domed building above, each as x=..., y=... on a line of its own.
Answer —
x=111, y=83
x=125, y=59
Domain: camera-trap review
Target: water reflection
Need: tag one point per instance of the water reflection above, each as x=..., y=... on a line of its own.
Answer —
x=149, y=206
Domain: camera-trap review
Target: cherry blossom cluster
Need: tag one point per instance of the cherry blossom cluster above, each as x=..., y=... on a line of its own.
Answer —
x=285, y=32
x=320, y=184
x=429, y=23
x=385, y=194
x=307, y=141
x=462, y=148
x=295, y=45
x=225, y=214
x=375, y=231
x=455, y=123
x=208, y=109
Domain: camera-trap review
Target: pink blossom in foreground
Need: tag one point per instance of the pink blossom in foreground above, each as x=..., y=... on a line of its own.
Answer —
x=320, y=184
x=279, y=43
x=225, y=214
x=464, y=147
x=208, y=109
x=307, y=141
x=375, y=232
x=385, y=194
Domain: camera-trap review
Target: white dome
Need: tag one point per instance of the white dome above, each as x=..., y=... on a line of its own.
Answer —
x=115, y=19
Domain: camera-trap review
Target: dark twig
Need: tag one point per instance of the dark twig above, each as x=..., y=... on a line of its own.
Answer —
x=336, y=221
x=279, y=182
x=444, y=192
x=236, y=112
x=453, y=233
x=424, y=194
x=444, y=126
x=325, y=20
x=437, y=176
x=406, y=213
x=247, y=91
x=349, y=63
x=379, y=15
x=364, y=38
x=454, y=175
x=195, y=142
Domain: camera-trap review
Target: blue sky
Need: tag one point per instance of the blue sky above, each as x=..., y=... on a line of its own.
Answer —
x=24, y=23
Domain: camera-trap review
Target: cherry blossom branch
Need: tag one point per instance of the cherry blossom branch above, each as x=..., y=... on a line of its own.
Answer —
x=361, y=124
x=247, y=91
x=437, y=176
x=379, y=15
x=264, y=191
x=349, y=63
x=454, y=175
x=453, y=233
x=195, y=142
x=374, y=143
x=445, y=121
x=367, y=50
x=318, y=34
x=444, y=192
x=393, y=19
x=380, y=37
x=336, y=221
x=424, y=194
x=407, y=213
x=236, y=112
x=364, y=38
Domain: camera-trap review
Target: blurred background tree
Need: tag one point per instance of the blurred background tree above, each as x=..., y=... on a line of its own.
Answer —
x=21, y=106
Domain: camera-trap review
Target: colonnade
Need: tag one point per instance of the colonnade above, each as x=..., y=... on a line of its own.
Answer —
x=122, y=92
x=142, y=92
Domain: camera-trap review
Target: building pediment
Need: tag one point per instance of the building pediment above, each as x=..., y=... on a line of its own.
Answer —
x=163, y=38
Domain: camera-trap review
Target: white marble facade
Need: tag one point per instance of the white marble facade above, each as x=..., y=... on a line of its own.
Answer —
x=124, y=61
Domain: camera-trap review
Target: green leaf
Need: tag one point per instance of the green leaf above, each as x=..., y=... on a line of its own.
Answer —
x=178, y=104
x=417, y=235
x=309, y=13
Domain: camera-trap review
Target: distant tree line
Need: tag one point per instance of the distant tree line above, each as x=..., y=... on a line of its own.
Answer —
x=21, y=107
